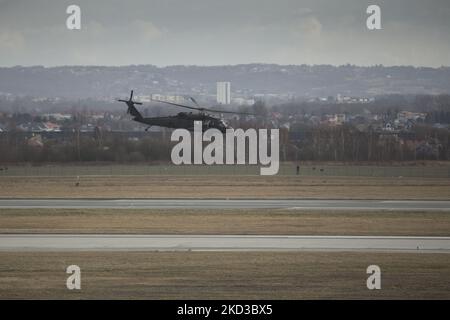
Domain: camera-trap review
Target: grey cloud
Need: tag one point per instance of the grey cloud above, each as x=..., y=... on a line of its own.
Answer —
x=164, y=32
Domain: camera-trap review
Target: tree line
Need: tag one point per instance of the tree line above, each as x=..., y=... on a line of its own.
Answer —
x=319, y=143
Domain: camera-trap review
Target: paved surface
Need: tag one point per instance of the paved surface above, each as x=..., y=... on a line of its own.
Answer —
x=226, y=204
x=68, y=242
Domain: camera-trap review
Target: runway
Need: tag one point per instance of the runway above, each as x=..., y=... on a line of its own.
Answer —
x=406, y=205
x=93, y=242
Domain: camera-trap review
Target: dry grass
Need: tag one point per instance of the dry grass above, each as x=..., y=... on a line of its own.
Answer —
x=267, y=221
x=225, y=275
x=225, y=187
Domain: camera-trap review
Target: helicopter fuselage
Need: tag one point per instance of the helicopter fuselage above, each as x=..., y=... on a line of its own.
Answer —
x=186, y=121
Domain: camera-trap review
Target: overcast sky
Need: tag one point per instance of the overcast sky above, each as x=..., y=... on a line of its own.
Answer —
x=218, y=32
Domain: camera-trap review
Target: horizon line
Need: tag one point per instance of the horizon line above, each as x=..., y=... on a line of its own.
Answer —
x=225, y=65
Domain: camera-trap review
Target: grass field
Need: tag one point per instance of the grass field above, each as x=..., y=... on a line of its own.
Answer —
x=256, y=222
x=225, y=187
x=427, y=169
x=224, y=275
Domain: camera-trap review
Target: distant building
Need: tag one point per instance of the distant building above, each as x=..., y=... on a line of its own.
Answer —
x=336, y=119
x=57, y=116
x=224, y=92
x=50, y=126
x=404, y=116
x=346, y=99
x=168, y=98
x=244, y=102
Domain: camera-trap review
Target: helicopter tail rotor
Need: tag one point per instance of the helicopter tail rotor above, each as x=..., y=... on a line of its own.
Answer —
x=130, y=104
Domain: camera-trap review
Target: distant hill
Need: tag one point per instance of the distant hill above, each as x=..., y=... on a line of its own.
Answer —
x=247, y=80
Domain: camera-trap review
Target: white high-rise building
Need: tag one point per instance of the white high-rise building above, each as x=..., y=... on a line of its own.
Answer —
x=224, y=92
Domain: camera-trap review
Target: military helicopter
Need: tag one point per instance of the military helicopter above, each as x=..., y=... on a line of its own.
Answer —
x=184, y=120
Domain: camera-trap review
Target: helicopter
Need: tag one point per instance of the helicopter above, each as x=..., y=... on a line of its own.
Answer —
x=184, y=120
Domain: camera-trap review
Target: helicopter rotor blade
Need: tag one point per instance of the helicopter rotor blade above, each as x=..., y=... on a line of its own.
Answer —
x=178, y=105
x=232, y=112
x=194, y=101
x=201, y=108
x=128, y=101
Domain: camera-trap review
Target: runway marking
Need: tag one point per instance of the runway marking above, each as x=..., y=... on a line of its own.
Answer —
x=97, y=242
x=292, y=204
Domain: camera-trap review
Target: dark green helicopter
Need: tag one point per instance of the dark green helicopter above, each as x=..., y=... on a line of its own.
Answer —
x=184, y=120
